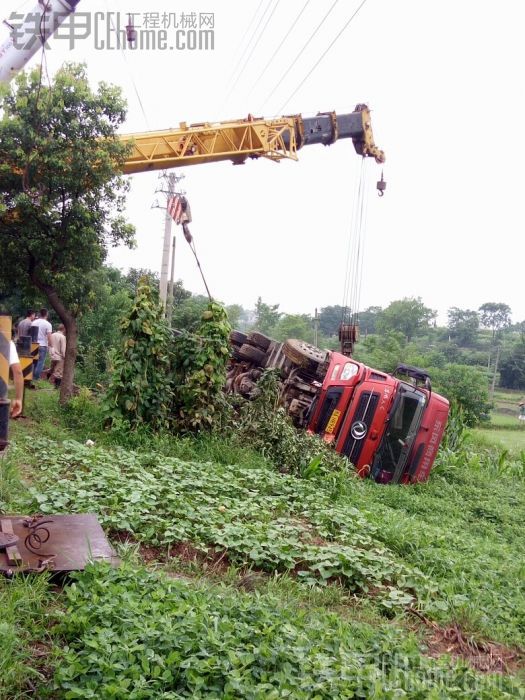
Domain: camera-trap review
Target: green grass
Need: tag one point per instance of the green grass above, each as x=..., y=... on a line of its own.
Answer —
x=337, y=562
x=25, y=615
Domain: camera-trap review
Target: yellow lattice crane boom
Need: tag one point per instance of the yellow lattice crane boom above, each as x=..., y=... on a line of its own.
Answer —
x=248, y=138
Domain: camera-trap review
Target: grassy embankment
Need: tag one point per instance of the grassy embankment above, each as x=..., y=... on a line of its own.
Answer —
x=241, y=581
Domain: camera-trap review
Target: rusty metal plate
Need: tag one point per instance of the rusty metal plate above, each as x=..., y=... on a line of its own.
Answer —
x=7, y=540
x=58, y=543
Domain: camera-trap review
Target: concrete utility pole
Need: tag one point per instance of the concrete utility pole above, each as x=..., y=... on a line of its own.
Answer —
x=163, y=288
x=316, y=328
x=169, y=306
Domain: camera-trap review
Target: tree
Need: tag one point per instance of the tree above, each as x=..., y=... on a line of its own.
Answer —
x=330, y=318
x=495, y=316
x=266, y=316
x=407, y=315
x=294, y=326
x=512, y=368
x=368, y=319
x=141, y=387
x=63, y=196
x=99, y=327
x=466, y=386
x=463, y=325
x=187, y=314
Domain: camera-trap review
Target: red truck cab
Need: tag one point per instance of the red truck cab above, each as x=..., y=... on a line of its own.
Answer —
x=390, y=429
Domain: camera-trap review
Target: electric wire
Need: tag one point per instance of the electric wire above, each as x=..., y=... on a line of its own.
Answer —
x=261, y=18
x=292, y=64
x=322, y=56
x=242, y=41
x=254, y=47
x=274, y=54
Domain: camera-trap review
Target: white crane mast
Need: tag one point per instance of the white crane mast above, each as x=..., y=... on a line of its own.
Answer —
x=24, y=41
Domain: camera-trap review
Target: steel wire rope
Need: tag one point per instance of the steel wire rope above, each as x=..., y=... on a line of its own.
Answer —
x=292, y=64
x=363, y=225
x=321, y=57
x=253, y=48
x=297, y=18
x=261, y=18
x=354, y=248
x=360, y=241
x=128, y=66
x=349, y=257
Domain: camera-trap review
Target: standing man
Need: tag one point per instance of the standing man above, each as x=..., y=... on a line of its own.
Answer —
x=57, y=351
x=18, y=380
x=44, y=334
x=25, y=324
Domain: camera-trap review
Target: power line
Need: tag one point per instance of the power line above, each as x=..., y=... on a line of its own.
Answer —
x=300, y=52
x=241, y=42
x=321, y=57
x=254, y=47
x=251, y=38
x=280, y=46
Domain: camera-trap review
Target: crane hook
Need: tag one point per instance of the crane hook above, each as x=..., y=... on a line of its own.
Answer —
x=381, y=186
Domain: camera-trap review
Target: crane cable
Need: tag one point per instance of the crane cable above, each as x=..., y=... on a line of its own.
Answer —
x=355, y=251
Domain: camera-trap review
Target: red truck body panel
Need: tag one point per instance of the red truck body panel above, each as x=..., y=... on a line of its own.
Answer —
x=389, y=429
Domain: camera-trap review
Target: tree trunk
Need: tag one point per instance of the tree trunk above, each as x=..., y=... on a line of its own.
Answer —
x=70, y=322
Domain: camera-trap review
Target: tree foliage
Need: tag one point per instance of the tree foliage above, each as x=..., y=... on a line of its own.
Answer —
x=266, y=316
x=200, y=361
x=408, y=315
x=463, y=325
x=330, y=318
x=294, y=326
x=465, y=386
x=141, y=387
x=62, y=195
x=512, y=367
x=495, y=316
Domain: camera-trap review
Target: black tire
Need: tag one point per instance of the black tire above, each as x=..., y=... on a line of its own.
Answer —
x=237, y=338
x=259, y=340
x=248, y=352
x=303, y=354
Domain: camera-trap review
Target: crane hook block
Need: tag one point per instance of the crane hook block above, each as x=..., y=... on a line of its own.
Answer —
x=381, y=186
x=131, y=32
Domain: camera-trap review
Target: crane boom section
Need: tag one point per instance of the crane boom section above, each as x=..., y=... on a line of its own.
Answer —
x=206, y=143
x=274, y=139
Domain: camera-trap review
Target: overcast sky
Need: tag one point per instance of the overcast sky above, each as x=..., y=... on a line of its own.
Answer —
x=445, y=83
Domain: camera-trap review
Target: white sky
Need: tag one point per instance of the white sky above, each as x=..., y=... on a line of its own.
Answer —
x=445, y=83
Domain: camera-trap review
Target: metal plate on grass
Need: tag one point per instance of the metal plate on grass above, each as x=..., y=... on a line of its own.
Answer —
x=57, y=543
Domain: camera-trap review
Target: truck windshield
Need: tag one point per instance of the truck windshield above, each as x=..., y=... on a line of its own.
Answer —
x=391, y=458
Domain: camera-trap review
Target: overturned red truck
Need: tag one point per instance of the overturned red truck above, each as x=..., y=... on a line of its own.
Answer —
x=388, y=425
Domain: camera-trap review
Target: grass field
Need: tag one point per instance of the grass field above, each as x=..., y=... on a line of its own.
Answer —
x=504, y=429
x=240, y=581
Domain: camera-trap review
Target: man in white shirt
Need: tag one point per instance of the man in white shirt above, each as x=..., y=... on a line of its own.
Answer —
x=44, y=334
x=18, y=380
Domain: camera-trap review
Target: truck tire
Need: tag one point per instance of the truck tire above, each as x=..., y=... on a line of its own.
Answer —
x=255, y=355
x=237, y=338
x=303, y=354
x=259, y=340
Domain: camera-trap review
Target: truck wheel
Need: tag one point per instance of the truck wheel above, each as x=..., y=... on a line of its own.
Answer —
x=259, y=340
x=237, y=338
x=255, y=355
x=302, y=353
